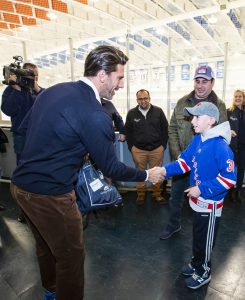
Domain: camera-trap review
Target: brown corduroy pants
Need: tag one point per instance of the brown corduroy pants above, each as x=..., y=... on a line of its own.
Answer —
x=56, y=224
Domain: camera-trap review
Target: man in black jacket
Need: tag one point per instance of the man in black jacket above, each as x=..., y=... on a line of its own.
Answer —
x=147, y=135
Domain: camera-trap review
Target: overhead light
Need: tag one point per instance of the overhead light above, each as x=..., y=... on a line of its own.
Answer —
x=51, y=16
x=237, y=54
x=24, y=28
x=121, y=39
x=160, y=30
x=212, y=20
x=194, y=58
x=187, y=42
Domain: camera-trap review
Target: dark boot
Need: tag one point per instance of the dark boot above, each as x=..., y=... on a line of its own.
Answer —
x=140, y=198
x=157, y=194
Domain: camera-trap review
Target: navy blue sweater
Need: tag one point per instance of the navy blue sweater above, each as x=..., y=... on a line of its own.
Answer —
x=66, y=123
x=16, y=104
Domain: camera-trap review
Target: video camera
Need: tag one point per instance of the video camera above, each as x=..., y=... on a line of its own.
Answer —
x=24, y=77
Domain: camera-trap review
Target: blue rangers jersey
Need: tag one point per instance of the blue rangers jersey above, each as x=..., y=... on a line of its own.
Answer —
x=210, y=162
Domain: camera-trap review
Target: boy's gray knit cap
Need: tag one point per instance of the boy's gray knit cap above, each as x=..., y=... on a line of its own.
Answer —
x=203, y=108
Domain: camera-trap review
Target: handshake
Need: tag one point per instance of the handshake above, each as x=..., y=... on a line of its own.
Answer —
x=156, y=174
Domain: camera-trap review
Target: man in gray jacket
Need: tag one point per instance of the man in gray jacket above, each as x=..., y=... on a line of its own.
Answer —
x=180, y=135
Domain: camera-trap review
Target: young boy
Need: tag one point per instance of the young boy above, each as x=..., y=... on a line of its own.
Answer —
x=210, y=161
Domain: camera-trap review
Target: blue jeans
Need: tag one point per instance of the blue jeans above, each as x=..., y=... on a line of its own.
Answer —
x=179, y=185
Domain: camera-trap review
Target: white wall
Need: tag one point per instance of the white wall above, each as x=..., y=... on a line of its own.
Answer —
x=154, y=80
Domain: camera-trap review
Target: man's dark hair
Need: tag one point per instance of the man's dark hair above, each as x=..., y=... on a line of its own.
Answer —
x=142, y=90
x=212, y=79
x=103, y=58
x=29, y=65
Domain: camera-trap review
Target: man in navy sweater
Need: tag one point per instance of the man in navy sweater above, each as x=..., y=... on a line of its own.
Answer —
x=67, y=122
x=17, y=101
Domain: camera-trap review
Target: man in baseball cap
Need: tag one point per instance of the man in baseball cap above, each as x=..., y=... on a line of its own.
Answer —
x=203, y=82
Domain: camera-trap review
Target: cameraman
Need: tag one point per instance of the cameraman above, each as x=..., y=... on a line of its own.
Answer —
x=16, y=102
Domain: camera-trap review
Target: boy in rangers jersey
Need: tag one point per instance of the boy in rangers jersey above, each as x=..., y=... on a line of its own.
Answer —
x=210, y=162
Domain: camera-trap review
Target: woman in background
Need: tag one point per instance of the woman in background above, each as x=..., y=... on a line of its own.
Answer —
x=236, y=117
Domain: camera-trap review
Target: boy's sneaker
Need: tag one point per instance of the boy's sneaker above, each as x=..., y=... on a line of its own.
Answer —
x=49, y=295
x=188, y=270
x=196, y=281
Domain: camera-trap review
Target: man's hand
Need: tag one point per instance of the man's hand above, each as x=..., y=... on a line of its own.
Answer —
x=12, y=78
x=193, y=192
x=156, y=175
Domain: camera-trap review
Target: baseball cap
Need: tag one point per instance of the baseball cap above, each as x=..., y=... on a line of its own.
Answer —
x=203, y=108
x=204, y=72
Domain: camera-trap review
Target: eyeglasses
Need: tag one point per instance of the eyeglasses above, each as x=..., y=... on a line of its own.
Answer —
x=143, y=99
